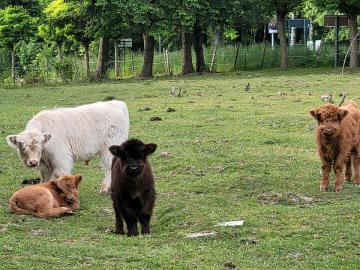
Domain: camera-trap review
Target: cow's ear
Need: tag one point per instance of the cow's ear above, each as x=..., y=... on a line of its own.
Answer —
x=315, y=113
x=150, y=148
x=78, y=178
x=116, y=150
x=46, y=137
x=57, y=184
x=342, y=113
x=12, y=140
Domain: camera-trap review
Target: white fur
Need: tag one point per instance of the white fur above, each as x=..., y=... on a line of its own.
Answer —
x=66, y=135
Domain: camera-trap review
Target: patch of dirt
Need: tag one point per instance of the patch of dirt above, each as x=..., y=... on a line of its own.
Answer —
x=70, y=242
x=248, y=241
x=39, y=232
x=4, y=227
x=287, y=198
x=155, y=118
x=144, y=109
x=170, y=110
x=230, y=265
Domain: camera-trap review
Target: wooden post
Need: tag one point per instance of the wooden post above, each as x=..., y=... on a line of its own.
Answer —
x=336, y=40
x=213, y=58
x=165, y=64
x=132, y=62
x=237, y=54
x=116, y=52
x=263, y=56
x=13, y=64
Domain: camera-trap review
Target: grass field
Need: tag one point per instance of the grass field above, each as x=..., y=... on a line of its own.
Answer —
x=234, y=155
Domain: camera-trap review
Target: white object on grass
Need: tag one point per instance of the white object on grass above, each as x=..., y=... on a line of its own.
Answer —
x=231, y=223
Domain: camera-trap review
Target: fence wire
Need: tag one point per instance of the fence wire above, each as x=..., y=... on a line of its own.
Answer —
x=230, y=58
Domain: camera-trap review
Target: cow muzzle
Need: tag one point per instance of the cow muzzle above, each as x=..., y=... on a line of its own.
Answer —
x=33, y=163
x=133, y=170
x=328, y=131
x=70, y=198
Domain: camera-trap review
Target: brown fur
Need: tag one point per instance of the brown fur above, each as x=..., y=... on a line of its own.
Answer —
x=338, y=142
x=52, y=199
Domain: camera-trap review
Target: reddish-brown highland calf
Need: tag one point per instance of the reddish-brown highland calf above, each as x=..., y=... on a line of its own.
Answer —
x=338, y=142
x=51, y=199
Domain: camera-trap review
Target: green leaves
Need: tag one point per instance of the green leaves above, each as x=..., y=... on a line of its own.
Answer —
x=15, y=25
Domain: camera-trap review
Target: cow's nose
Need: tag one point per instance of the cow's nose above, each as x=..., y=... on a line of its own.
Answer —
x=70, y=198
x=328, y=130
x=133, y=169
x=33, y=163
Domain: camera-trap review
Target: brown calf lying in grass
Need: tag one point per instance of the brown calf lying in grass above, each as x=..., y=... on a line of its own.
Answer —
x=338, y=142
x=52, y=199
x=132, y=186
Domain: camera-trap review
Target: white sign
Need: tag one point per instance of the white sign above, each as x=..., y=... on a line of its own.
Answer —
x=272, y=31
x=125, y=43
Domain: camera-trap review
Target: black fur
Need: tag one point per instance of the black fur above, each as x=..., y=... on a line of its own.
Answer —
x=132, y=186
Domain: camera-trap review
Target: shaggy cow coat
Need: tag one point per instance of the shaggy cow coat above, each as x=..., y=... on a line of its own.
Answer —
x=132, y=186
x=54, y=139
x=52, y=199
x=338, y=142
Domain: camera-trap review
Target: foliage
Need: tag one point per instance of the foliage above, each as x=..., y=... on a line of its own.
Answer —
x=15, y=25
x=346, y=6
x=64, y=70
x=54, y=26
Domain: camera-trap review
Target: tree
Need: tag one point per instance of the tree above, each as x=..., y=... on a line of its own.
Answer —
x=147, y=16
x=282, y=8
x=352, y=9
x=54, y=24
x=32, y=7
x=15, y=25
x=80, y=29
x=183, y=21
x=109, y=21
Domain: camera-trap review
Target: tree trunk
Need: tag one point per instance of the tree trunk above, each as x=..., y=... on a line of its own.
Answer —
x=149, y=46
x=353, y=25
x=198, y=47
x=102, y=58
x=58, y=46
x=87, y=61
x=187, y=65
x=116, y=52
x=13, y=64
x=283, y=43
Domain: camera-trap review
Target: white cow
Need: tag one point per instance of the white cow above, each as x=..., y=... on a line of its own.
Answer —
x=54, y=139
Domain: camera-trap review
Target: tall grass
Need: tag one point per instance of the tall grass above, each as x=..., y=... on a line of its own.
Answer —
x=250, y=57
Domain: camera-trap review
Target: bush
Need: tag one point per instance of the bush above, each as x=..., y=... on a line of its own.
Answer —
x=64, y=70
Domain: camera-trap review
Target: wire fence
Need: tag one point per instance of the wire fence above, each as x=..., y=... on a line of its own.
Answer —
x=226, y=59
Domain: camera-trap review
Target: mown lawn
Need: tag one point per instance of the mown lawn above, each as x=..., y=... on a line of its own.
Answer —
x=232, y=155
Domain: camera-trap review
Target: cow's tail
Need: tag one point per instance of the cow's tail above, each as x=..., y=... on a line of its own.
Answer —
x=13, y=206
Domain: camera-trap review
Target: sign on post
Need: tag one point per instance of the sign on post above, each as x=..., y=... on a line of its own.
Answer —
x=299, y=23
x=330, y=20
x=125, y=43
x=272, y=30
x=336, y=21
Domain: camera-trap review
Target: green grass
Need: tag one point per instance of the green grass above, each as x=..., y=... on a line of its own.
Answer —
x=232, y=151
